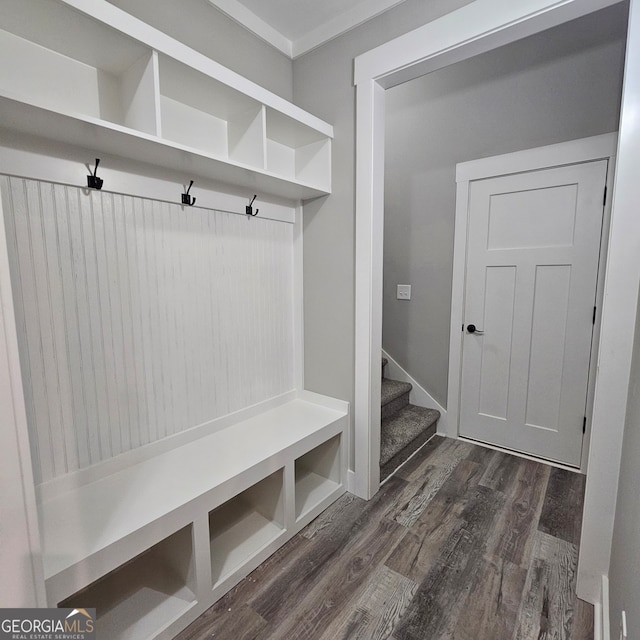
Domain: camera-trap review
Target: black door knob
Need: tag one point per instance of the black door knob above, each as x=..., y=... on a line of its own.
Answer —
x=471, y=328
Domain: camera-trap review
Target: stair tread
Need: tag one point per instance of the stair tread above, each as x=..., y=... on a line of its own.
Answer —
x=392, y=389
x=403, y=455
x=403, y=427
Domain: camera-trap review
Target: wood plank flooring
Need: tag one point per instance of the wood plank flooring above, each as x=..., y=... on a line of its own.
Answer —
x=463, y=543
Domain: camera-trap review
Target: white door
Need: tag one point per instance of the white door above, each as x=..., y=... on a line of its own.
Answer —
x=532, y=264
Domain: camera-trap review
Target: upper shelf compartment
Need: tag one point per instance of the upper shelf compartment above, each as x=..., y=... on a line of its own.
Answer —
x=85, y=72
x=297, y=151
x=67, y=62
x=205, y=114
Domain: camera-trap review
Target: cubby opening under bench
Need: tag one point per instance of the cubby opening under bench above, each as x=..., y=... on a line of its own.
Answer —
x=152, y=545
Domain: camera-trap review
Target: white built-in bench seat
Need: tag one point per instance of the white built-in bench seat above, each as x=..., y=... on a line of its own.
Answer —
x=209, y=510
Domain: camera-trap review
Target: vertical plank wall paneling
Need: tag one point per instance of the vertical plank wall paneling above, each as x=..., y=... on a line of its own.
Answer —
x=139, y=319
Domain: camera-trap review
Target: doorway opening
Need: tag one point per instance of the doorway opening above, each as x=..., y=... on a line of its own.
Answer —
x=461, y=35
x=524, y=94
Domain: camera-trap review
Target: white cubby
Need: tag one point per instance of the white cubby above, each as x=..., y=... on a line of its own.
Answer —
x=297, y=151
x=246, y=524
x=66, y=62
x=200, y=112
x=317, y=476
x=87, y=71
x=146, y=594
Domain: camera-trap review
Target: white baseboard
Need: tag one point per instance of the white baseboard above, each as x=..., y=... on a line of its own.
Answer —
x=601, y=613
x=351, y=481
x=597, y=621
x=419, y=395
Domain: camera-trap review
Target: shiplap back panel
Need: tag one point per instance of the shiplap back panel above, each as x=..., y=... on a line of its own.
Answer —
x=139, y=319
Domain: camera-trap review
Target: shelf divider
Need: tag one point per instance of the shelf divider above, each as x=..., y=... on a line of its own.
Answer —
x=140, y=95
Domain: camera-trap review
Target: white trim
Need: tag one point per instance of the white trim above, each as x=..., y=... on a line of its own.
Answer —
x=22, y=579
x=368, y=292
x=418, y=395
x=298, y=300
x=249, y=20
x=600, y=287
x=597, y=621
x=341, y=23
x=616, y=335
x=457, y=306
x=600, y=147
x=323, y=32
x=351, y=481
x=475, y=28
x=555, y=155
x=601, y=624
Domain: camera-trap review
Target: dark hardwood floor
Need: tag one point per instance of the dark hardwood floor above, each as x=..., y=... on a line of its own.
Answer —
x=463, y=542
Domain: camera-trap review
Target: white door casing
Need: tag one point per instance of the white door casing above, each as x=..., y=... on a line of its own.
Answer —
x=533, y=250
x=475, y=28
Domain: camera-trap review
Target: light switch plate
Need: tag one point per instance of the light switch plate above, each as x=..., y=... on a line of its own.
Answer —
x=403, y=292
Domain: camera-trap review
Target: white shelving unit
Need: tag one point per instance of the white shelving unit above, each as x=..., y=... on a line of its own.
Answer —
x=85, y=72
x=153, y=539
x=154, y=544
x=146, y=594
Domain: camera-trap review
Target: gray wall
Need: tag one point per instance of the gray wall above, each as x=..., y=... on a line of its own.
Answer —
x=624, y=571
x=556, y=86
x=200, y=25
x=323, y=84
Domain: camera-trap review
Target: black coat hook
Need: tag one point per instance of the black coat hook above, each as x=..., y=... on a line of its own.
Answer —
x=186, y=198
x=93, y=182
x=249, y=209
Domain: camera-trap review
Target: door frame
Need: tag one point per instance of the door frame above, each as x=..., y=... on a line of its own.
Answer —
x=601, y=147
x=478, y=27
x=473, y=29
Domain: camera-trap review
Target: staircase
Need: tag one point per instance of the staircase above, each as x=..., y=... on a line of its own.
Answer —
x=404, y=427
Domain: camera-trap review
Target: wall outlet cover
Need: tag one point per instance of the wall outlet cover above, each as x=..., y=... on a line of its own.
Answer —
x=403, y=292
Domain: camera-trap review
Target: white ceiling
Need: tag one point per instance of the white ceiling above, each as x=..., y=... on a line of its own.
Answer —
x=297, y=26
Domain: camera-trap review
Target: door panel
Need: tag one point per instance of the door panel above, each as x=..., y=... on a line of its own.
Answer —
x=495, y=365
x=532, y=264
x=548, y=331
x=532, y=218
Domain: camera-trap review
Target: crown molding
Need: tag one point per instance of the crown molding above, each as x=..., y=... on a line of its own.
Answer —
x=305, y=42
x=249, y=20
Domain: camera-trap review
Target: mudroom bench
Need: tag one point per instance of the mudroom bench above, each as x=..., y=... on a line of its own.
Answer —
x=157, y=542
